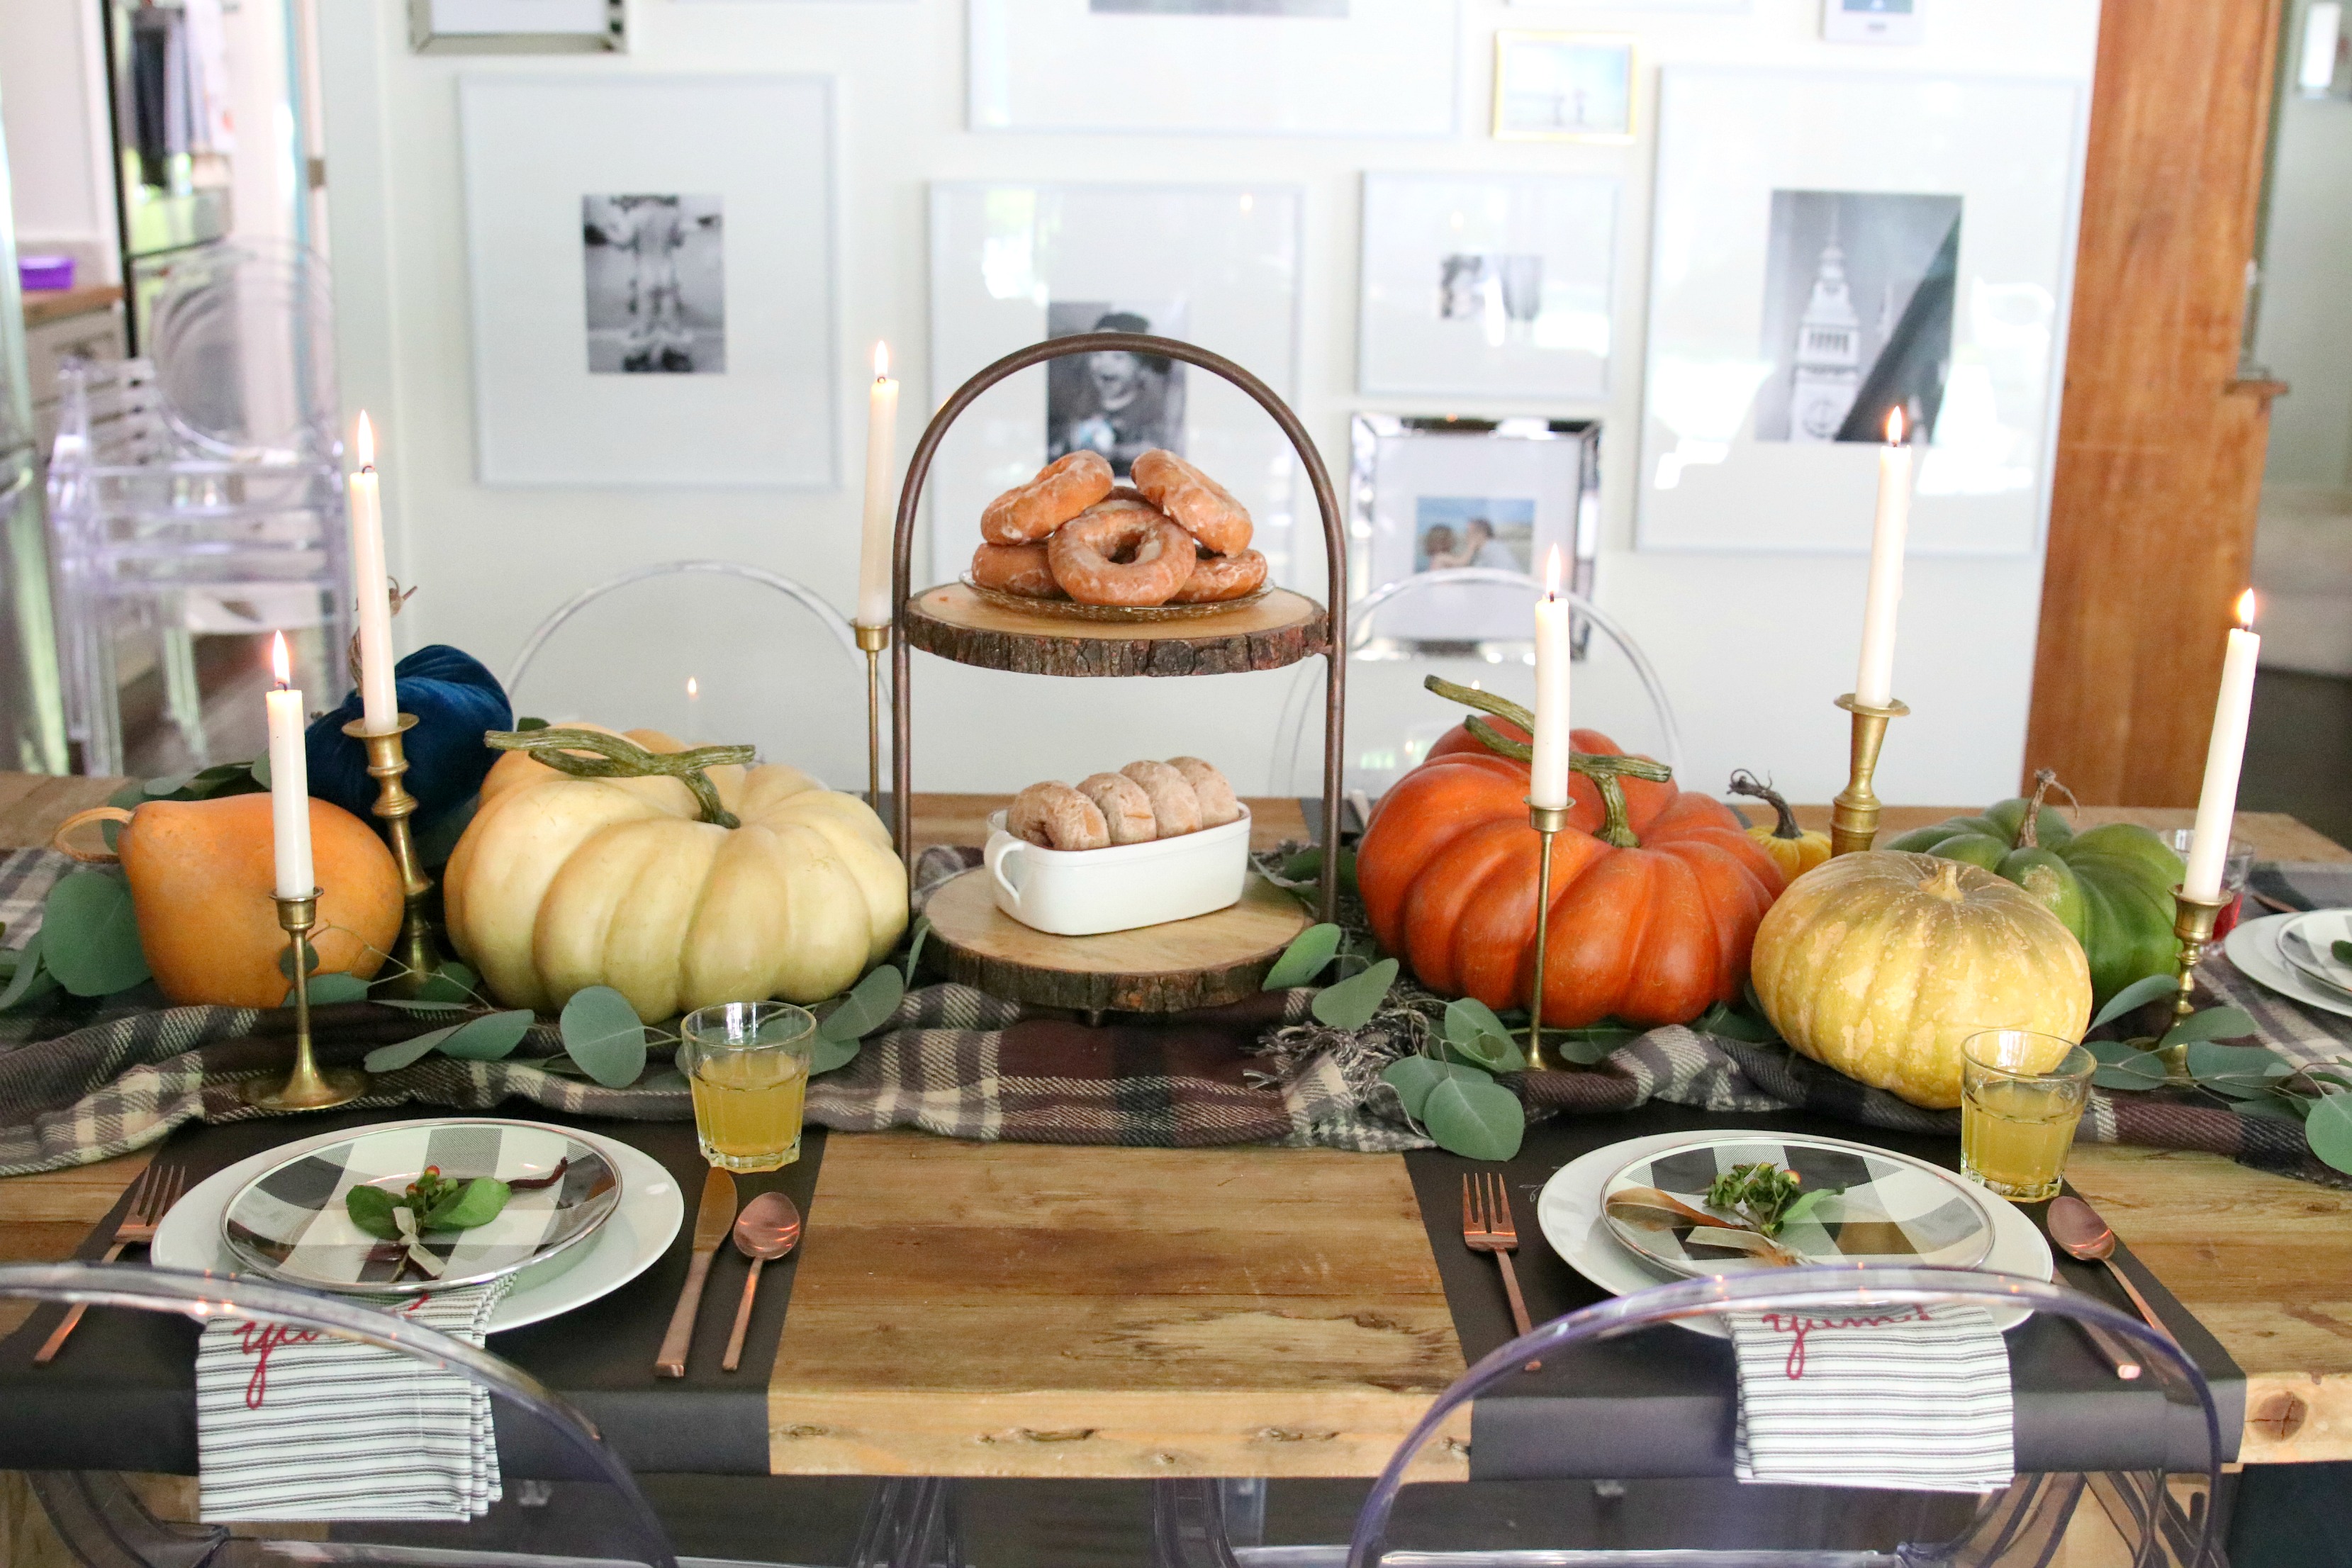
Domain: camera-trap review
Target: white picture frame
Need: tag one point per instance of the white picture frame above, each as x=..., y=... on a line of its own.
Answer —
x=1486, y=284
x=719, y=190
x=1567, y=87
x=518, y=27
x=1951, y=203
x=1014, y=262
x=1635, y=5
x=1872, y=22
x=1332, y=68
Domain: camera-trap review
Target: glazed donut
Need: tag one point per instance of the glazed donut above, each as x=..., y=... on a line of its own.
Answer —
x=1052, y=815
x=1124, y=806
x=1206, y=509
x=1120, y=552
x=1211, y=787
x=1174, y=807
x=1215, y=578
x=1062, y=490
x=1016, y=569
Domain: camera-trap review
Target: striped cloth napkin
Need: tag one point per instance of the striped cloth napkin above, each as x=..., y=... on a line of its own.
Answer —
x=295, y=1424
x=1912, y=1399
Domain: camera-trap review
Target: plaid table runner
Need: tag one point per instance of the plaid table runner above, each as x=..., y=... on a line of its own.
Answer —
x=80, y=1083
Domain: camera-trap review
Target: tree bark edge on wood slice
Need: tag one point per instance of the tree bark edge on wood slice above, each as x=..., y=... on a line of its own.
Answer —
x=1104, y=648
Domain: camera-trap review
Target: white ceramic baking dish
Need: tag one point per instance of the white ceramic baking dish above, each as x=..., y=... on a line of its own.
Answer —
x=1085, y=892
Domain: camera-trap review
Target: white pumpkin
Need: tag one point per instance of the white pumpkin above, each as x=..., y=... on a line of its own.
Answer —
x=561, y=883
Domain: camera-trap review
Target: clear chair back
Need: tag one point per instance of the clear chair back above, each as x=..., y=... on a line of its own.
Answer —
x=242, y=339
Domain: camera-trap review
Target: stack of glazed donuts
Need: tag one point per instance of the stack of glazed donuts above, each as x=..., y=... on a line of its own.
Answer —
x=1141, y=802
x=1174, y=537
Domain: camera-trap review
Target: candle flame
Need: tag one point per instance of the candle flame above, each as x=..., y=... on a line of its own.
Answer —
x=692, y=689
x=881, y=361
x=2246, y=609
x=1895, y=425
x=366, y=443
x=277, y=662
x=1551, y=573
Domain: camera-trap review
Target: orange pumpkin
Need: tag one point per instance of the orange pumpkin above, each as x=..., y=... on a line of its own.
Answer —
x=201, y=875
x=1654, y=905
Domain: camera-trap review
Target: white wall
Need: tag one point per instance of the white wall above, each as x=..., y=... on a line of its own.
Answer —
x=1753, y=649
x=53, y=105
x=2305, y=334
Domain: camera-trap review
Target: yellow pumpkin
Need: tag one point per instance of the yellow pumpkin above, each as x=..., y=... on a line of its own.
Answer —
x=562, y=882
x=1796, y=850
x=1881, y=964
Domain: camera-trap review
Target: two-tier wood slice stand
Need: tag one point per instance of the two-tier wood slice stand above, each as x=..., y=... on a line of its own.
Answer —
x=1212, y=958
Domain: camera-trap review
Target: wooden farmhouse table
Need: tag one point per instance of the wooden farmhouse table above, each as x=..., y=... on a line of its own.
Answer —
x=1091, y=1311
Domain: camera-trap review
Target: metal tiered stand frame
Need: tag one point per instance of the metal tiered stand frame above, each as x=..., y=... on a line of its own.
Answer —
x=1202, y=962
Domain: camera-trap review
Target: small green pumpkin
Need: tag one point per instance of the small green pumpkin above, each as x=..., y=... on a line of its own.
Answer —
x=2112, y=886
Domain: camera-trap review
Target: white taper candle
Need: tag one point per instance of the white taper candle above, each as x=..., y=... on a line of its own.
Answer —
x=2225, y=753
x=1874, y=679
x=881, y=494
x=289, y=782
x=1548, y=778
x=372, y=586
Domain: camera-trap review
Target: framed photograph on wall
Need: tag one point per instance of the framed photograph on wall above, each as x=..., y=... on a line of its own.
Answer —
x=1565, y=87
x=1829, y=248
x=651, y=261
x=1486, y=284
x=1333, y=67
x=1013, y=263
x=517, y=26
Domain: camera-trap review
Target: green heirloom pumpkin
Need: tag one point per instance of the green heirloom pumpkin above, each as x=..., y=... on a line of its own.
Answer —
x=2112, y=886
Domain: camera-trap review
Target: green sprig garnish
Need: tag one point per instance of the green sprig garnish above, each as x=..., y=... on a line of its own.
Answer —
x=1766, y=1196
x=434, y=1202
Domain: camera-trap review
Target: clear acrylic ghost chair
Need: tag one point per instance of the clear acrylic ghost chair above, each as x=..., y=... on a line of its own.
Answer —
x=2146, y=1500
x=785, y=677
x=242, y=340
x=1392, y=721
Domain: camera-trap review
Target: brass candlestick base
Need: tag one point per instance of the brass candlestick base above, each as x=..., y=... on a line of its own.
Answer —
x=1547, y=820
x=387, y=759
x=1853, y=814
x=2192, y=924
x=875, y=641
x=306, y=1087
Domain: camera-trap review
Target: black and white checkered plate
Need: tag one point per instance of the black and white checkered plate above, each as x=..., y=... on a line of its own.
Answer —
x=290, y=1221
x=1893, y=1209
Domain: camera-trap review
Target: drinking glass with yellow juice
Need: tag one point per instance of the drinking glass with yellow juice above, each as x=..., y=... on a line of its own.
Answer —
x=2021, y=1094
x=748, y=1066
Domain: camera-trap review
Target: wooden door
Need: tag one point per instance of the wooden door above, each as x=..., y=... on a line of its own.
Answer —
x=2160, y=446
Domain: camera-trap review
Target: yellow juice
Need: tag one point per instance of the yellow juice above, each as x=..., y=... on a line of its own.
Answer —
x=2014, y=1136
x=748, y=1107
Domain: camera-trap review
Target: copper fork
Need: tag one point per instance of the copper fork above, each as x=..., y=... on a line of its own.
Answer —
x=1487, y=1226
x=152, y=1197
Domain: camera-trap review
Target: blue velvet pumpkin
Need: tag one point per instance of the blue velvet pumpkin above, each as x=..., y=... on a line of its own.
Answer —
x=455, y=700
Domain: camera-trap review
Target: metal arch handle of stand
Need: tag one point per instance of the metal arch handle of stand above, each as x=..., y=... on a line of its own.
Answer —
x=1335, y=550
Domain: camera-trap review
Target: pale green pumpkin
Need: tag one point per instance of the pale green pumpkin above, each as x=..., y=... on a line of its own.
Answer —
x=1880, y=964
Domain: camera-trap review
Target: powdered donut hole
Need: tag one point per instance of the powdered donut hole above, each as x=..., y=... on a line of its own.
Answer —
x=1206, y=508
x=1062, y=490
x=1214, y=791
x=1016, y=569
x=1125, y=807
x=1052, y=815
x=1174, y=807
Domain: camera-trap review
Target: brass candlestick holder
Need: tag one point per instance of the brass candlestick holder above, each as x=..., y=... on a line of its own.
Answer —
x=387, y=759
x=875, y=641
x=1547, y=820
x=306, y=1087
x=2192, y=924
x=1853, y=814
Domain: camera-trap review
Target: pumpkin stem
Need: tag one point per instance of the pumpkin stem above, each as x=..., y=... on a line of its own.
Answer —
x=2029, y=832
x=618, y=757
x=1593, y=765
x=1616, y=828
x=1744, y=782
x=1944, y=881
x=82, y=819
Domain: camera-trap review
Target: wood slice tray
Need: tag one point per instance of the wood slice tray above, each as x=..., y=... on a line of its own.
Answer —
x=1200, y=963
x=1278, y=628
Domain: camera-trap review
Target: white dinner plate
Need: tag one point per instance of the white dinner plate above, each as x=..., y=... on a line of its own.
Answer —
x=639, y=1231
x=2308, y=942
x=2254, y=947
x=1568, y=1213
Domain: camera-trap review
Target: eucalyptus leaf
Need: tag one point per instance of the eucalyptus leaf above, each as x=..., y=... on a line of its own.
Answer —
x=259, y=767
x=1304, y=959
x=1496, y=1053
x=90, y=935
x=490, y=1039
x=2112, y=1051
x=530, y=721
x=170, y=783
x=832, y=1053
x=2209, y=1061
x=1467, y=1018
x=561, y=1065
x=2212, y=1023
x=406, y=1006
x=1477, y=1120
x=32, y=977
x=1592, y=1045
x=2328, y=1130
x=453, y=982
x=1805, y=1202
x=1306, y=866
x=2282, y=1107
x=918, y=934
x=2240, y=1087
x=1734, y=1023
x=328, y=989
x=1352, y=1003
x=285, y=960
x=2136, y=995
x=371, y=1209
x=669, y=1080
x=403, y=1052
x=602, y=1032
x=2141, y=1069
x=2341, y=949
x=871, y=1004
x=1413, y=1077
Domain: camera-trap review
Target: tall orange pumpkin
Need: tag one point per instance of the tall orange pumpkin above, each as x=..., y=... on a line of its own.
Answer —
x=1652, y=914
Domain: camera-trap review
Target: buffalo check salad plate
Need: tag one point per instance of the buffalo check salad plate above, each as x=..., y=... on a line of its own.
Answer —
x=1872, y=1206
x=292, y=1222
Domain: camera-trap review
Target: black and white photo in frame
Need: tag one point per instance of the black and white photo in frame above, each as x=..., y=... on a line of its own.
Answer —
x=1564, y=86
x=1488, y=285
x=1883, y=241
x=1014, y=262
x=651, y=267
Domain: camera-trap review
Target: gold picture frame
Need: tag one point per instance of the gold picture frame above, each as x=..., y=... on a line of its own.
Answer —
x=1619, y=130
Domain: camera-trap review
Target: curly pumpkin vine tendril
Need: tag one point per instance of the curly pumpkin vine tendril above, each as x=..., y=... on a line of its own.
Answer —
x=1604, y=771
x=2029, y=832
x=618, y=757
x=1745, y=783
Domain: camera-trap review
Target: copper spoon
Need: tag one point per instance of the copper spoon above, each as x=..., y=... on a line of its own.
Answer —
x=2081, y=1234
x=769, y=1227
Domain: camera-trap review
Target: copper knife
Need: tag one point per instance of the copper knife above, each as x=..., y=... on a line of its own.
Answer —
x=713, y=1221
